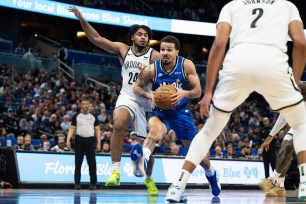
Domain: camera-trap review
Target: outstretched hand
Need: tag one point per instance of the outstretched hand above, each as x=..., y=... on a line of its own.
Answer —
x=265, y=145
x=205, y=105
x=76, y=11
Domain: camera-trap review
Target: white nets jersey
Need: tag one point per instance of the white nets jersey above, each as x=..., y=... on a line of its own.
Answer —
x=130, y=71
x=259, y=21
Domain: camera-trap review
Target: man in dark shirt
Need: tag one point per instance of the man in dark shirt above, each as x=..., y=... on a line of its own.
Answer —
x=268, y=156
x=85, y=124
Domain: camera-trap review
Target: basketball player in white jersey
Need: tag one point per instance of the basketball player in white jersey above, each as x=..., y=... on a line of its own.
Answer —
x=274, y=185
x=256, y=61
x=129, y=107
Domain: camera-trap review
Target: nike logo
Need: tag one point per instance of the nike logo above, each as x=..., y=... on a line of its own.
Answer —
x=136, y=153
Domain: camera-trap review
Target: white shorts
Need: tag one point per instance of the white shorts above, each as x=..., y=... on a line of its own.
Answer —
x=250, y=67
x=137, y=112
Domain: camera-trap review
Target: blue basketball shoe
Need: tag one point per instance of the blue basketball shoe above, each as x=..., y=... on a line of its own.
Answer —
x=214, y=184
x=139, y=162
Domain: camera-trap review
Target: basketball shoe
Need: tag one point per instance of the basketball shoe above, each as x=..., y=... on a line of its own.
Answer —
x=139, y=162
x=114, y=179
x=175, y=195
x=302, y=191
x=214, y=184
x=266, y=185
x=276, y=191
x=152, y=189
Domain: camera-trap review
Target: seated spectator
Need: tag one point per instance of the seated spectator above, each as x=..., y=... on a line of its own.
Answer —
x=133, y=138
x=218, y=152
x=60, y=147
x=230, y=154
x=73, y=111
x=58, y=129
x=175, y=150
x=168, y=151
x=43, y=138
x=46, y=147
x=65, y=125
x=105, y=148
x=28, y=143
x=102, y=117
x=26, y=123
x=3, y=133
x=10, y=122
x=19, y=143
x=106, y=137
x=245, y=153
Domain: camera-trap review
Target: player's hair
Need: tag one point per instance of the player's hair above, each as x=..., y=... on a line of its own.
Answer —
x=171, y=39
x=134, y=28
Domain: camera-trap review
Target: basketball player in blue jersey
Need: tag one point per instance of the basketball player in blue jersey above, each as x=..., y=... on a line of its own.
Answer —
x=129, y=107
x=179, y=72
x=256, y=60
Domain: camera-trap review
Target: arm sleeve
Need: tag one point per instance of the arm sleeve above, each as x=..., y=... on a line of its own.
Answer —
x=225, y=14
x=294, y=13
x=279, y=124
x=73, y=120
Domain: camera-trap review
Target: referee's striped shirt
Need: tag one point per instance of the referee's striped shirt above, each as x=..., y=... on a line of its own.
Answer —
x=85, y=124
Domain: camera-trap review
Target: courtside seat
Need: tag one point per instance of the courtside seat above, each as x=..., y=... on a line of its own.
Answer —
x=4, y=141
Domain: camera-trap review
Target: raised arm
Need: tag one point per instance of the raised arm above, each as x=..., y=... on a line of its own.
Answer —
x=193, y=80
x=214, y=63
x=107, y=45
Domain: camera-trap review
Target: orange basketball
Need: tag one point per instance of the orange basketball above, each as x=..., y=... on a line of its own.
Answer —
x=162, y=97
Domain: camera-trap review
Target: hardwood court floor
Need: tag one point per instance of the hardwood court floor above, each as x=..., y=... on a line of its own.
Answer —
x=127, y=196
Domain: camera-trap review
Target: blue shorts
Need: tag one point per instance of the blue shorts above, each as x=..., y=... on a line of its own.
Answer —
x=180, y=121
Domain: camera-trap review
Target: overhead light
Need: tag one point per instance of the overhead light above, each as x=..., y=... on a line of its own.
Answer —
x=204, y=50
x=154, y=42
x=35, y=35
x=81, y=34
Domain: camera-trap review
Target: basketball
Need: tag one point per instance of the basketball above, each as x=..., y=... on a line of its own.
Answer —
x=162, y=96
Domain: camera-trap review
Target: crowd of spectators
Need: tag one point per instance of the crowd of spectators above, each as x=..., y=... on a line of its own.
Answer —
x=38, y=105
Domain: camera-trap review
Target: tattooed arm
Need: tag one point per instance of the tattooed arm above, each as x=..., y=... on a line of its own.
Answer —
x=144, y=78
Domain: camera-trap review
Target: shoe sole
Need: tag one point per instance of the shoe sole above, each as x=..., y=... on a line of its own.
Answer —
x=263, y=188
x=112, y=184
x=302, y=198
x=138, y=160
x=172, y=200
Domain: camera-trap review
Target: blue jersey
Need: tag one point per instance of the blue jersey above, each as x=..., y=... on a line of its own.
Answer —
x=175, y=78
x=179, y=118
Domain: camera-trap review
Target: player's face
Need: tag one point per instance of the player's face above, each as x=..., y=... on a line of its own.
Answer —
x=168, y=52
x=141, y=38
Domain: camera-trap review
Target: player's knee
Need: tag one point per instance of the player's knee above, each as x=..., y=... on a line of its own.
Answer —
x=299, y=138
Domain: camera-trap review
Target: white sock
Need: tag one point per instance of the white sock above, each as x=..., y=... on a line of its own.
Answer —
x=210, y=172
x=182, y=181
x=302, y=169
x=146, y=153
x=281, y=181
x=148, y=177
x=116, y=166
x=274, y=176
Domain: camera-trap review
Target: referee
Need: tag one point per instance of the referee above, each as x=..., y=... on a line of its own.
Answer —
x=84, y=124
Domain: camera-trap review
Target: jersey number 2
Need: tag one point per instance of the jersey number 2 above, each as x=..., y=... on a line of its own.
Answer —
x=132, y=77
x=254, y=12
